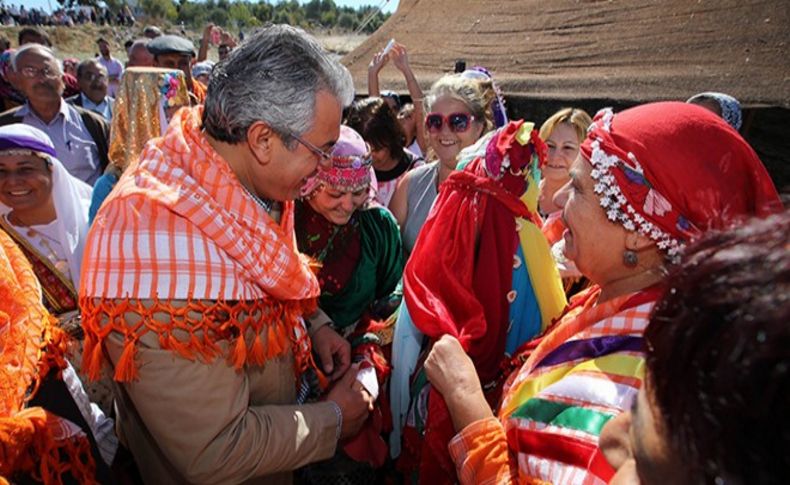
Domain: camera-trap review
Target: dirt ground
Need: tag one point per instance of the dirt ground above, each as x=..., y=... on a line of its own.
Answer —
x=80, y=41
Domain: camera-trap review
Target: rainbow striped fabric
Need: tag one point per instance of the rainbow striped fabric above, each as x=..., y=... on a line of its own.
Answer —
x=587, y=370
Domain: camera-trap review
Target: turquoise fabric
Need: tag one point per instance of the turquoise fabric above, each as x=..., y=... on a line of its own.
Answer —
x=101, y=189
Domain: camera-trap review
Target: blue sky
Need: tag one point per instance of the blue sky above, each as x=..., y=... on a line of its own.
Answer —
x=387, y=5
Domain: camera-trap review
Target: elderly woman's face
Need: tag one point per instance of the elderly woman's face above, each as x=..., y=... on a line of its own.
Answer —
x=25, y=181
x=337, y=206
x=592, y=241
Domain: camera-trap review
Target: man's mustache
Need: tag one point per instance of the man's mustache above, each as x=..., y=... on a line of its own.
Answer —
x=45, y=85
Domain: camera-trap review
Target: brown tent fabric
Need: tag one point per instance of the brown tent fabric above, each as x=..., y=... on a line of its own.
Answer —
x=629, y=51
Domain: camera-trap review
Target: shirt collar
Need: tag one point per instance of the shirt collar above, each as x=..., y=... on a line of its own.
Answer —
x=86, y=102
x=25, y=110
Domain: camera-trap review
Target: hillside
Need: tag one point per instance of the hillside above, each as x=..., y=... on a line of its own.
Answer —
x=80, y=41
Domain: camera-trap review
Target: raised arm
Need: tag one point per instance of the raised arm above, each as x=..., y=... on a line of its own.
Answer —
x=204, y=43
x=400, y=59
x=375, y=66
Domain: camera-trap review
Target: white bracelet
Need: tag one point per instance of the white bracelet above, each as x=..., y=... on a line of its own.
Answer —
x=339, y=415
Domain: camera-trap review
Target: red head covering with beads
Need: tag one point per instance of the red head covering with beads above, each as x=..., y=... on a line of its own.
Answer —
x=672, y=170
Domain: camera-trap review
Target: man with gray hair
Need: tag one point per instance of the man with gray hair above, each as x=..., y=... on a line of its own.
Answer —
x=195, y=293
x=80, y=136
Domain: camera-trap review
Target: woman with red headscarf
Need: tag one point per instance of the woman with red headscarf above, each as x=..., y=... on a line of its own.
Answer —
x=648, y=181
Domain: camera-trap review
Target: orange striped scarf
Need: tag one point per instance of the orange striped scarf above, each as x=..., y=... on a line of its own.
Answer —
x=179, y=226
x=32, y=441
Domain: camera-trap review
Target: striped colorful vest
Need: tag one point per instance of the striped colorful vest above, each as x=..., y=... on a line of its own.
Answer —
x=586, y=370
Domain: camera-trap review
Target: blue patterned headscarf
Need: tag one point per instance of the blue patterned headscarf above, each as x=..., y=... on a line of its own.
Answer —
x=730, y=107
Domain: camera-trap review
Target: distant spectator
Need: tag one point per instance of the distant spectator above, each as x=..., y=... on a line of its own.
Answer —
x=79, y=136
x=722, y=104
x=5, y=44
x=408, y=123
x=70, y=66
x=175, y=52
x=114, y=66
x=393, y=100
x=219, y=37
x=152, y=32
x=128, y=45
x=139, y=55
x=92, y=76
x=10, y=97
x=412, y=119
x=202, y=70
x=33, y=35
x=223, y=51
x=377, y=123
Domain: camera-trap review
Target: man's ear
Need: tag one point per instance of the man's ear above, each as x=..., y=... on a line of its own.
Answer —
x=260, y=140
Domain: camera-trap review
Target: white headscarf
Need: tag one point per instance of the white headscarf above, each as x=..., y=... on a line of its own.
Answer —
x=71, y=196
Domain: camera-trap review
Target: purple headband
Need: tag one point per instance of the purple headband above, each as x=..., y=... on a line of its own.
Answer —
x=11, y=142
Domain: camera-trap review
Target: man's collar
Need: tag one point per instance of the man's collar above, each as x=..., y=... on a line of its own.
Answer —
x=26, y=109
x=86, y=101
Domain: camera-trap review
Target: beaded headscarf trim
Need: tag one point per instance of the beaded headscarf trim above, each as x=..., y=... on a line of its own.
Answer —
x=617, y=206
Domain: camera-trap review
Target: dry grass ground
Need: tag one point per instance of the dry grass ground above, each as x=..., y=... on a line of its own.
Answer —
x=80, y=41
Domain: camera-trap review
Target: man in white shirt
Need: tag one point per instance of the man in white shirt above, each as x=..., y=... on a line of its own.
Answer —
x=114, y=66
x=92, y=78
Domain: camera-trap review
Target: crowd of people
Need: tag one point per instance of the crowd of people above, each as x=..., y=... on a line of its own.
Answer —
x=243, y=272
x=12, y=14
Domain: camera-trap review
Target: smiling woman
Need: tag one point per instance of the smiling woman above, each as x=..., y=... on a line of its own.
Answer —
x=358, y=248
x=563, y=133
x=45, y=212
x=648, y=181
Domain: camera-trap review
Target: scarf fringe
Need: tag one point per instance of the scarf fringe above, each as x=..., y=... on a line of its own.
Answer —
x=257, y=331
x=31, y=347
x=35, y=451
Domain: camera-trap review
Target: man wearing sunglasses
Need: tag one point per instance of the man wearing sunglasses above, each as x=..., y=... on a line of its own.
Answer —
x=220, y=384
x=80, y=137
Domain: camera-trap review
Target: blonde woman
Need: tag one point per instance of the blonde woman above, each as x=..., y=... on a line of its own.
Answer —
x=563, y=133
x=459, y=112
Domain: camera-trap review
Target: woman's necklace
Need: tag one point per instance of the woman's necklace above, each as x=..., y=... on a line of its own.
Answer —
x=60, y=264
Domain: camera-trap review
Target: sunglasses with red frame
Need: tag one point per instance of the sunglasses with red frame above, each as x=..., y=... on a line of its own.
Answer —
x=456, y=122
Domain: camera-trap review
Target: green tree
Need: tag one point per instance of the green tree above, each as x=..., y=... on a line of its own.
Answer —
x=329, y=18
x=241, y=15
x=347, y=21
x=160, y=9
x=312, y=10
x=262, y=11
x=218, y=16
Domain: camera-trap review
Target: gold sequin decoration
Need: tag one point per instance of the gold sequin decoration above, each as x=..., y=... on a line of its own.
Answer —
x=136, y=112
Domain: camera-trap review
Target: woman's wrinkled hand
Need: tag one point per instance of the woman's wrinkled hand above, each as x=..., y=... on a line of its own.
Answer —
x=452, y=373
x=449, y=369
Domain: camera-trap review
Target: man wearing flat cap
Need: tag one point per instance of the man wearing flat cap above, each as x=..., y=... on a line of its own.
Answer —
x=175, y=52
